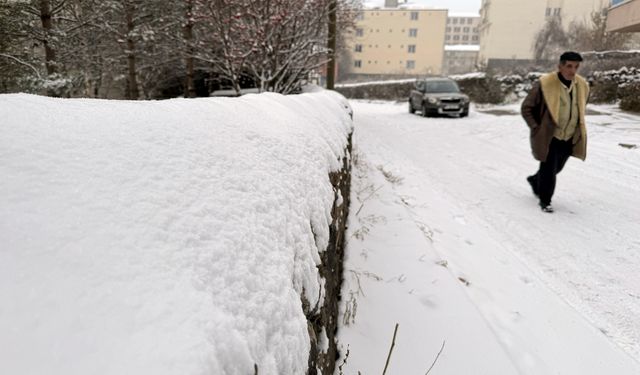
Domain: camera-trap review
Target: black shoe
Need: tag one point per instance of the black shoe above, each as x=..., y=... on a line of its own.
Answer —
x=546, y=208
x=534, y=187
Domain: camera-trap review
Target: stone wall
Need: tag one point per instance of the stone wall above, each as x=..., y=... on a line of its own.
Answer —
x=323, y=322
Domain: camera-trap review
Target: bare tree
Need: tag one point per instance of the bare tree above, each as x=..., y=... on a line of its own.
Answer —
x=593, y=36
x=189, y=45
x=277, y=43
x=551, y=40
x=89, y=45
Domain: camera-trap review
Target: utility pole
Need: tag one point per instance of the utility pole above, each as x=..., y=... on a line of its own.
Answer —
x=331, y=45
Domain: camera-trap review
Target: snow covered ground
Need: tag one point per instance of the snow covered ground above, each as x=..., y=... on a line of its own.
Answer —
x=163, y=237
x=447, y=240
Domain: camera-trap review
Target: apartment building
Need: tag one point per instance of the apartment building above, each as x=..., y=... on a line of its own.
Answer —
x=397, y=41
x=462, y=29
x=508, y=27
x=624, y=16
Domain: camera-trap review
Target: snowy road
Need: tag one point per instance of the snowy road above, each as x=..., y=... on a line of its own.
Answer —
x=559, y=292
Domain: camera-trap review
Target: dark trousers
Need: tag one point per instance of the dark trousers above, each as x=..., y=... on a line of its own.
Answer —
x=545, y=178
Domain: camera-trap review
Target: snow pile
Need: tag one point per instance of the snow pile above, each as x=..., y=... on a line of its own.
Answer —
x=474, y=75
x=171, y=237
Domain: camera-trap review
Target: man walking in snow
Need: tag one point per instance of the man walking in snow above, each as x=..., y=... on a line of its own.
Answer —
x=554, y=110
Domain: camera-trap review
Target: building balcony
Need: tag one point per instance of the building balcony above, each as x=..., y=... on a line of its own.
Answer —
x=624, y=16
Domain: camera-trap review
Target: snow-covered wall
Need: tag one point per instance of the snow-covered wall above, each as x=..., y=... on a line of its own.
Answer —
x=167, y=237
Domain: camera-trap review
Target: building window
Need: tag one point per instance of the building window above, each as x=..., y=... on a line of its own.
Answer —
x=456, y=29
x=413, y=33
x=414, y=16
x=465, y=37
x=552, y=12
x=455, y=21
x=469, y=20
x=448, y=21
x=448, y=29
x=359, y=32
x=466, y=29
x=357, y=63
x=474, y=38
x=456, y=37
x=411, y=64
x=358, y=48
x=475, y=29
x=448, y=37
x=411, y=48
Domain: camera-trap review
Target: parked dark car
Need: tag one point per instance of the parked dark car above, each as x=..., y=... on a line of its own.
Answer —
x=438, y=96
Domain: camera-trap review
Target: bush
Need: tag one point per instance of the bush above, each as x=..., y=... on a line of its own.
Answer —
x=482, y=89
x=604, y=91
x=630, y=97
x=381, y=91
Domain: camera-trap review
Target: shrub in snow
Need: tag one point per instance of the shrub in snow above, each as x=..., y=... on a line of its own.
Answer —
x=630, y=95
x=482, y=89
x=603, y=91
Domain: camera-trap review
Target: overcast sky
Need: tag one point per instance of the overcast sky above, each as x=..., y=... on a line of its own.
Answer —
x=456, y=5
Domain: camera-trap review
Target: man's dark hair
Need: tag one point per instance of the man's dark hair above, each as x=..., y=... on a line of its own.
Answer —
x=570, y=56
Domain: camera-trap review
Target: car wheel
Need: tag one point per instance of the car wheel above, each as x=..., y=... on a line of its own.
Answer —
x=464, y=114
x=425, y=112
x=411, y=109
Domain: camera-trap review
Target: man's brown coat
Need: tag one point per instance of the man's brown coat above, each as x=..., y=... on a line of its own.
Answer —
x=541, y=108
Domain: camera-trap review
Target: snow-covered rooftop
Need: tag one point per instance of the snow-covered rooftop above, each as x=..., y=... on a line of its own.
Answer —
x=462, y=47
x=464, y=14
x=456, y=9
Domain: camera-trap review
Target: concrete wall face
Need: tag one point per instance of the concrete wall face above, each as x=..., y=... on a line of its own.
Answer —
x=398, y=42
x=625, y=17
x=457, y=62
x=508, y=27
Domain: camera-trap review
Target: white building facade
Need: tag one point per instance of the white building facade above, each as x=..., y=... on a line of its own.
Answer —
x=508, y=27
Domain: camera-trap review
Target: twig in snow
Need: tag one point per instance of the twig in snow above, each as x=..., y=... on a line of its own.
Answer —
x=393, y=343
x=436, y=360
x=364, y=200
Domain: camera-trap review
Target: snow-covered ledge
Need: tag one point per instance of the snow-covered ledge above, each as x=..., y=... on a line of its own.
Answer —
x=171, y=237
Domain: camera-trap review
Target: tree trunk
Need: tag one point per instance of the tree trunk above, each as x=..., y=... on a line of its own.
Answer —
x=132, y=87
x=190, y=90
x=331, y=45
x=47, y=25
